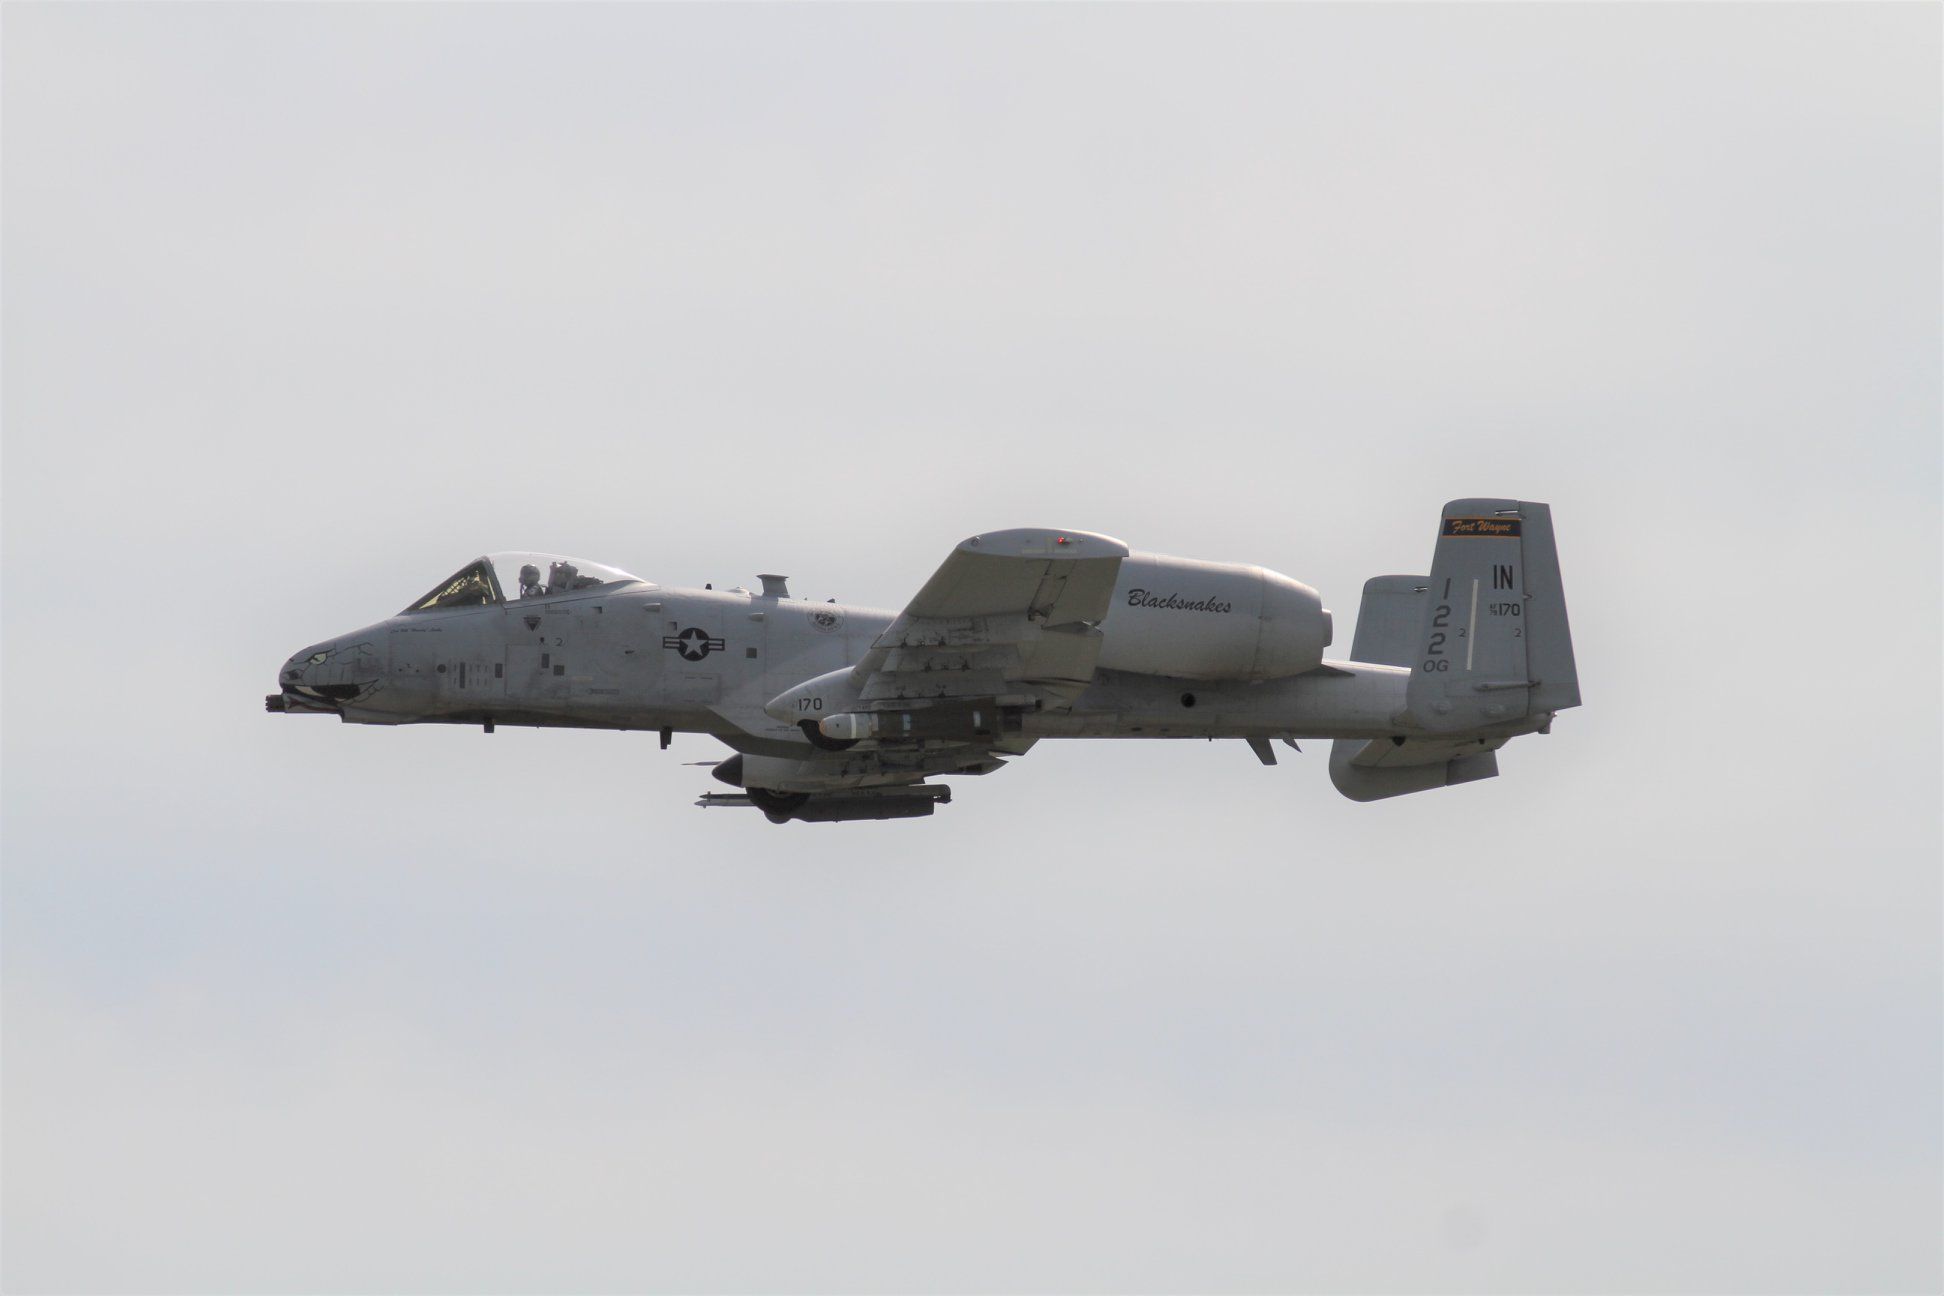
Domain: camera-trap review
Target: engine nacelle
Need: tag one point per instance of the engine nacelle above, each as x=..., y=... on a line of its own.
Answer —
x=1212, y=621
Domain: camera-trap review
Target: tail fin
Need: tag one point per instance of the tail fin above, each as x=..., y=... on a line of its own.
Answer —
x=1389, y=619
x=1389, y=633
x=1494, y=645
x=1485, y=639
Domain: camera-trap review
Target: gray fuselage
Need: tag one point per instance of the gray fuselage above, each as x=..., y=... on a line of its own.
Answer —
x=633, y=655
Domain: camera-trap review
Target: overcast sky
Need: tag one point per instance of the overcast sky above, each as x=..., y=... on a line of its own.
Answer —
x=306, y=306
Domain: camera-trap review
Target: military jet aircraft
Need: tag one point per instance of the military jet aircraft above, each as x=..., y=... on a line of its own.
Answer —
x=840, y=713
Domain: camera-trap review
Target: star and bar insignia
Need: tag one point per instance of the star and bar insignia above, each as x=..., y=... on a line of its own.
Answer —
x=693, y=643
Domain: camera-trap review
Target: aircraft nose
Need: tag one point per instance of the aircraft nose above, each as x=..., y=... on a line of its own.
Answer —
x=327, y=676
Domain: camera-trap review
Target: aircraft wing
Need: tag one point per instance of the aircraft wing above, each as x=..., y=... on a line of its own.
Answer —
x=1010, y=615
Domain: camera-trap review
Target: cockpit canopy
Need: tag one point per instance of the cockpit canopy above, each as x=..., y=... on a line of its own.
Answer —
x=510, y=577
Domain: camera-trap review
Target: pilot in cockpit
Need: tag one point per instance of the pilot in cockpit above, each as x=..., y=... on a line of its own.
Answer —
x=530, y=586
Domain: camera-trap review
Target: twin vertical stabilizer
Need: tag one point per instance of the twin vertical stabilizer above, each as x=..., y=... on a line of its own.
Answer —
x=1486, y=640
x=1493, y=644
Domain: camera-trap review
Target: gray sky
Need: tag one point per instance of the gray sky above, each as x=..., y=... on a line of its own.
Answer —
x=306, y=306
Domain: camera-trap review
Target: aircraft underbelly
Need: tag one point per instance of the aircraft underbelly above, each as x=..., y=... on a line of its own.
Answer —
x=1344, y=699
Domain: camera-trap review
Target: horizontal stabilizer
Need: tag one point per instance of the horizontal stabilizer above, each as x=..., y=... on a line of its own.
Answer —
x=1364, y=773
x=1402, y=753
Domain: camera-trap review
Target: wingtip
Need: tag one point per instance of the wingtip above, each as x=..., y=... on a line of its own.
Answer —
x=1043, y=542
